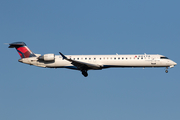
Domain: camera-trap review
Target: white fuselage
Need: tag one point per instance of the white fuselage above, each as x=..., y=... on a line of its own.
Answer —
x=104, y=61
x=84, y=63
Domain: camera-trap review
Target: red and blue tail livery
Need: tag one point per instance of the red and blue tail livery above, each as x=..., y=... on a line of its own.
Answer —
x=22, y=49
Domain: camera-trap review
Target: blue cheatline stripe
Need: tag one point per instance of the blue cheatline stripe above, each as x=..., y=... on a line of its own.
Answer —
x=71, y=67
x=21, y=53
x=32, y=55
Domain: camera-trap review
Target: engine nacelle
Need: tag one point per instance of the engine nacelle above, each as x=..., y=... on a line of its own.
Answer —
x=47, y=57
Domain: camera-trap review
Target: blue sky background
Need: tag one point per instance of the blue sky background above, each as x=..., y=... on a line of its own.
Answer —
x=89, y=27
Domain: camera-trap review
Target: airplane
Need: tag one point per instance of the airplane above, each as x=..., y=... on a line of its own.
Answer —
x=84, y=63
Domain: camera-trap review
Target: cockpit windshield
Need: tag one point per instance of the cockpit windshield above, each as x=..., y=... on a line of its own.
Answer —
x=164, y=57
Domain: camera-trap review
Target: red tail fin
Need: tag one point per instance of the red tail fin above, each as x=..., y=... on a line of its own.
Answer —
x=22, y=49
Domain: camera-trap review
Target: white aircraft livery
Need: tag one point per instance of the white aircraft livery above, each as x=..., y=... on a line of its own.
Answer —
x=84, y=63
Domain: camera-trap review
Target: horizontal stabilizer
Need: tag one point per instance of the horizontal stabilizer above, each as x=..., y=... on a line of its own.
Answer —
x=16, y=44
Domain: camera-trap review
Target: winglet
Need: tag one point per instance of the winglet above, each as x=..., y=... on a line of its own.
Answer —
x=64, y=57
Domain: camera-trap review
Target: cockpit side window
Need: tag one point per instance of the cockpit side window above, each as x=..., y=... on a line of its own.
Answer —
x=164, y=57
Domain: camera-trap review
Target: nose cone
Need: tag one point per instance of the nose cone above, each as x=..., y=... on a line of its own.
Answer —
x=175, y=63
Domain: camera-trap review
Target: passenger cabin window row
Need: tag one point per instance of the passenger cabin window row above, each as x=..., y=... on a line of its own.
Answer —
x=114, y=58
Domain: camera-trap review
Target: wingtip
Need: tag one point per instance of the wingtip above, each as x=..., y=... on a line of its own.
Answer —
x=64, y=57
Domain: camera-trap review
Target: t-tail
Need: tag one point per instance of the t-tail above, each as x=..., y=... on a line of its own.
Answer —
x=22, y=49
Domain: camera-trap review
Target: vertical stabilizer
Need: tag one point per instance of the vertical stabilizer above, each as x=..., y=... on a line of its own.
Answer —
x=22, y=49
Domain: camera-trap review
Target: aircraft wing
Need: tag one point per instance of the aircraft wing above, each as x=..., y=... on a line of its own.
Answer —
x=81, y=65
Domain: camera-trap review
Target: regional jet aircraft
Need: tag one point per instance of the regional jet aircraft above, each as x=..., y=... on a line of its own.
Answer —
x=84, y=63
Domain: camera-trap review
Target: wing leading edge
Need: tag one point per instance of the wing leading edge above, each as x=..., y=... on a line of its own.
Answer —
x=82, y=66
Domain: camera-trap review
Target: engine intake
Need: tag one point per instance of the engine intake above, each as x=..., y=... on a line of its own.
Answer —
x=47, y=57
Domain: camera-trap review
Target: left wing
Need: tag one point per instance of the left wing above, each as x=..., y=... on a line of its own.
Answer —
x=81, y=65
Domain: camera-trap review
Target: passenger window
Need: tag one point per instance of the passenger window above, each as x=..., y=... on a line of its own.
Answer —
x=94, y=58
